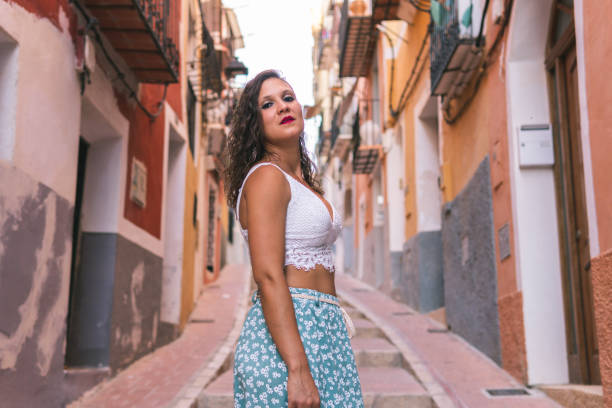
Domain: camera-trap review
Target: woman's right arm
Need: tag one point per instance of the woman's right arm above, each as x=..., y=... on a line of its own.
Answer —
x=267, y=194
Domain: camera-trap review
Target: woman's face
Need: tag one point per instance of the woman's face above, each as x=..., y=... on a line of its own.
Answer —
x=281, y=114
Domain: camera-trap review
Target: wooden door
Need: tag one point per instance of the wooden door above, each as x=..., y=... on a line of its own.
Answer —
x=574, y=235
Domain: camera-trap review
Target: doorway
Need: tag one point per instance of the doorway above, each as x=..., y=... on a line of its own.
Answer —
x=73, y=355
x=213, y=232
x=561, y=64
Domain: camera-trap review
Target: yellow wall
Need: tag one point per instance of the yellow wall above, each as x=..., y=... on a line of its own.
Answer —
x=189, y=243
x=405, y=60
x=466, y=142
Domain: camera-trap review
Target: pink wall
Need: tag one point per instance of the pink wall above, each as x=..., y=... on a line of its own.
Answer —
x=598, y=54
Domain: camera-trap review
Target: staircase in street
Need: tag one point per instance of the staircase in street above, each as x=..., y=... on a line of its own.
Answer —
x=386, y=377
x=386, y=380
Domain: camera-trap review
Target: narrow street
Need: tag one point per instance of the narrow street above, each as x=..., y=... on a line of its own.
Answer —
x=404, y=359
x=448, y=160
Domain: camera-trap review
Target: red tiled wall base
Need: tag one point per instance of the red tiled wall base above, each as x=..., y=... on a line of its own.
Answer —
x=512, y=334
x=602, y=293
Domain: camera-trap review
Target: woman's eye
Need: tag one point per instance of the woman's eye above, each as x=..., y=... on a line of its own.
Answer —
x=266, y=105
x=288, y=98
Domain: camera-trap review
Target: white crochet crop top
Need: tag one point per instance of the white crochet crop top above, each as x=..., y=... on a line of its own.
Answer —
x=309, y=230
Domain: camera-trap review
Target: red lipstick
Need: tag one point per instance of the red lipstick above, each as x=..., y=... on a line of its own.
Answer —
x=287, y=119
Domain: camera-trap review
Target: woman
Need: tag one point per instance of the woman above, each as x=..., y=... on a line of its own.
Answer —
x=294, y=348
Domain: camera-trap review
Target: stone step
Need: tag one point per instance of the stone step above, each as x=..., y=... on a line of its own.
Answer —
x=383, y=387
x=219, y=393
x=365, y=328
x=375, y=352
x=392, y=387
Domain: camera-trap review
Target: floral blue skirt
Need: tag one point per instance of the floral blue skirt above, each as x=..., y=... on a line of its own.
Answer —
x=260, y=375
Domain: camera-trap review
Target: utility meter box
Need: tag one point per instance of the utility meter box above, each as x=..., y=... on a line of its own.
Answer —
x=536, y=146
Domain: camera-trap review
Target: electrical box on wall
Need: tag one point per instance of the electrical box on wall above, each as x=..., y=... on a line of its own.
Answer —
x=138, y=185
x=536, y=146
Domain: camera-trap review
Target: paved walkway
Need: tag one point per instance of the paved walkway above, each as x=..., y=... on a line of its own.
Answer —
x=450, y=370
x=453, y=372
x=173, y=375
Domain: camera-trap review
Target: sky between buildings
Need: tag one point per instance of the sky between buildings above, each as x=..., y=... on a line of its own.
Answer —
x=278, y=34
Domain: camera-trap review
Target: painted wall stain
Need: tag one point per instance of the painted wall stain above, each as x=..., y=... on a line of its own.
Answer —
x=135, y=290
x=35, y=235
x=42, y=205
x=136, y=303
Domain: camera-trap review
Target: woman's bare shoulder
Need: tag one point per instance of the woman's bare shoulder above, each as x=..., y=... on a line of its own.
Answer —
x=267, y=180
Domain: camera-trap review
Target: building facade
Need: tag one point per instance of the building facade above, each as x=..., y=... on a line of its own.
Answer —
x=466, y=140
x=103, y=201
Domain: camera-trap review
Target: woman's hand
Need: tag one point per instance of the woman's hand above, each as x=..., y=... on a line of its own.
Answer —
x=301, y=390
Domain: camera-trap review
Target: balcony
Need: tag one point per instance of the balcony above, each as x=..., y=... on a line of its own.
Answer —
x=144, y=33
x=454, y=52
x=384, y=10
x=357, y=40
x=365, y=158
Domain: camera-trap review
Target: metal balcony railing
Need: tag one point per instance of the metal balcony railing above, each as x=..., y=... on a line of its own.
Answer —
x=144, y=32
x=453, y=53
x=357, y=43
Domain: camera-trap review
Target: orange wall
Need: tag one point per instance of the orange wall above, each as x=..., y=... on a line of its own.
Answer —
x=146, y=143
x=189, y=242
x=598, y=54
x=482, y=130
x=405, y=60
x=410, y=183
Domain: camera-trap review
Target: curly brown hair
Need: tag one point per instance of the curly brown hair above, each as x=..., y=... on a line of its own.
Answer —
x=245, y=145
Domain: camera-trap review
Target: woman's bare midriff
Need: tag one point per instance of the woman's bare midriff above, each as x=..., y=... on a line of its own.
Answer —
x=317, y=278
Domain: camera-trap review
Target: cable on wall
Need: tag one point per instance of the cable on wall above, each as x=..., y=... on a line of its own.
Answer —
x=409, y=85
x=421, y=5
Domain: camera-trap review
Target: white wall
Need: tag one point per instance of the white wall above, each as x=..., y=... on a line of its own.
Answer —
x=172, y=226
x=427, y=164
x=106, y=132
x=395, y=186
x=46, y=119
x=9, y=63
x=360, y=226
x=533, y=198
